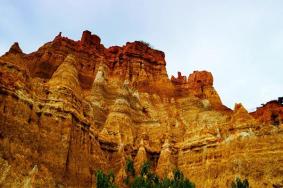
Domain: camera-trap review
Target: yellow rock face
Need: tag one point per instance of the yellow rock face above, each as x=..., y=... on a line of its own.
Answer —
x=74, y=107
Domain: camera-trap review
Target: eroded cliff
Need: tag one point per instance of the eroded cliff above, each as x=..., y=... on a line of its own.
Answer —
x=73, y=107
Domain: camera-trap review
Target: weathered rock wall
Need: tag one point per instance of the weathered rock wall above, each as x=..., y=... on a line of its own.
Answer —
x=73, y=107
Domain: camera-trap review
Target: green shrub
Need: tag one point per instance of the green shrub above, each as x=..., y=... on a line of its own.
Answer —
x=105, y=181
x=165, y=183
x=180, y=181
x=127, y=180
x=130, y=167
x=145, y=168
x=139, y=182
x=238, y=183
x=146, y=43
x=148, y=179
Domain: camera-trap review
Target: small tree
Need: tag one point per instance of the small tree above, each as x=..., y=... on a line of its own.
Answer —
x=147, y=179
x=145, y=168
x=238, y=183
x=180, y=181
x=105, y=181
x=130, y=167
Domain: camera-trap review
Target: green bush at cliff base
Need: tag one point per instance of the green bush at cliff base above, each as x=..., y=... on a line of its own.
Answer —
x=148, y=179
x=104, y=180
x=238, y=183
x=130, y=167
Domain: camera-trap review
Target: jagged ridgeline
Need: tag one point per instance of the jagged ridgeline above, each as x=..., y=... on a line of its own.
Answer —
x=72, y=108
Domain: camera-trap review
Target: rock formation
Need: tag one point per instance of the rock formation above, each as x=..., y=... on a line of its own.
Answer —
x=15, y=49
x=73, y=107
x=270, y=113
x=165, y=164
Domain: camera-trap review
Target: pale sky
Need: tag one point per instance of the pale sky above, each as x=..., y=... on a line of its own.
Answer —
x=239, y=41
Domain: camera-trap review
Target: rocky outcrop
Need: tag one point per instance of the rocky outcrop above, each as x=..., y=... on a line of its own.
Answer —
x=89, y=40
x=141, y=157
x=270, y=113
x=198, y=84
x=165, y=165
x=241, y=119
x=73, y=107
x=15, y=49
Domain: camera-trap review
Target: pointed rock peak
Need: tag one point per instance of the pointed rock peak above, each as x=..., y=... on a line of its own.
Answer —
x=240, y=108
x=141, y=157
x=90, y=40
x=29, y=181
x=66, y=74
x=165, y=164
x=59, y=36
x=242, y=119
x=15, y=49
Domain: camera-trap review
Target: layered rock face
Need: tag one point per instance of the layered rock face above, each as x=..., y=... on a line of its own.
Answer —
x=73, y=107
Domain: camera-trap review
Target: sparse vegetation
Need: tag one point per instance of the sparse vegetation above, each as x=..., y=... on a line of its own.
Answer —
x=146, y=43
x=130, y=167
x=238, y=183
x=148, y=179
x=105, y=180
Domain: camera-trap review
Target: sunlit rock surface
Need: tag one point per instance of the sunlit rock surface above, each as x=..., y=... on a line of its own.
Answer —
x=73, y=107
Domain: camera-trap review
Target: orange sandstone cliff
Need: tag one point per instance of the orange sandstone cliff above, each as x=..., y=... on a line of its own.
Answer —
x=73, y=107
